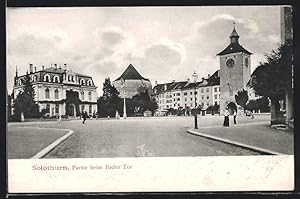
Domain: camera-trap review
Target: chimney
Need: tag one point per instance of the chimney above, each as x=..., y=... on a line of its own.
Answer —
x=59, y=66
x=65, y=66
x=188, y=80
x=31, y=68
x=208, y=76
x=55, y=66
x=173, y=81
x=43, y=67
x=165, y=87
x=35, y=69
x=202, y=78
x=155, y=84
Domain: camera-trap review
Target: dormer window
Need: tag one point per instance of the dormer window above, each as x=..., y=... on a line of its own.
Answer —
x=56, y=79
x=34, y=78
x=46, y=78
x=82, y=82
x=89, y=82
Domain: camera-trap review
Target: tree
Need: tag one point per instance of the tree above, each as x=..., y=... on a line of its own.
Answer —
x=141, y=102
x=261, y=104
x=272, y=78
x=25, y=102
x=241, y=98
x=109, y=102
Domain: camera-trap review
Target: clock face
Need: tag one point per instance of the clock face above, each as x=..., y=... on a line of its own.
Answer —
x=246, y=62
x=230, y=63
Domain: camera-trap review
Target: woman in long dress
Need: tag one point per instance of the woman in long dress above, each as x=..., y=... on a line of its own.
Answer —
x=226, y=117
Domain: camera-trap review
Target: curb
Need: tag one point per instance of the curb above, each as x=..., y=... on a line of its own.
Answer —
x=239, y=144
x=47, y=149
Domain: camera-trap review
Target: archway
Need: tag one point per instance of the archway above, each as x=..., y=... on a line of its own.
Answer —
x=72, y=103
x=231, y=107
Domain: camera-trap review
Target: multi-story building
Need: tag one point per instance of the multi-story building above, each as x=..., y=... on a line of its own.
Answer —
x=187, y=94
x=60, y=91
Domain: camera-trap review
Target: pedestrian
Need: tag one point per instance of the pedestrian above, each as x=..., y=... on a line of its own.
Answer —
x=84, y=115
x=226, y=117
x=234, y=117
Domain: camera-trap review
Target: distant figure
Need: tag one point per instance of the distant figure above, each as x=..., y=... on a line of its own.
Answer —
x=234, y=117
x=226, y=117
x=117, y=114
x=84, y=116
x=59, y=118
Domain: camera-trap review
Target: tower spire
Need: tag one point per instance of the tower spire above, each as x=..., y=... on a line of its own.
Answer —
x=234, y=37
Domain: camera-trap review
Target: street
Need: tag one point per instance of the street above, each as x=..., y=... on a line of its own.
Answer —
x=138, y=137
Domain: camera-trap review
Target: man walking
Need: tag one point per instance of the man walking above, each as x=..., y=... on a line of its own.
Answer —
x=84, y=116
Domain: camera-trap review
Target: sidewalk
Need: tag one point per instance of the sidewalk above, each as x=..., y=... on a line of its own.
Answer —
x=252, y=135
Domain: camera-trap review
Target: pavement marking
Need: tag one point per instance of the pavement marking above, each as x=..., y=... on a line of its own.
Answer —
x=47, y=149
x=239, y=144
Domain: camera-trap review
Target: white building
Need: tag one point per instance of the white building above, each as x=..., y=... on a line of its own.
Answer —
x=60, y=91
x=184, y=93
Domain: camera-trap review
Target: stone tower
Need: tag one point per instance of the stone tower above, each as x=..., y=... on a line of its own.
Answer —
x=235, y=71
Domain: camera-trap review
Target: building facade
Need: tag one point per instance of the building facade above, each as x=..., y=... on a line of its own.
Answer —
x=60, y=91
x=187, y=94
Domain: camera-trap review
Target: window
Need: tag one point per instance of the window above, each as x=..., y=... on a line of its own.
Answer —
x=216, y=96
x=178, y=99
x=56, y=94
x=82, y=82
x=47, y=78
x=82, y=108
x=90, y=109
x=207, y=89
x=185, y=93
x=34, y=78
x=57, y=109
x=195, y=92
x=90, y=95
x=47, y=93
x=191, y=93
x=202, y=90
x=185, y=99
x=191, y=99
x=216, y=89
x=207, y=97
x=48, y=108
x=89, y=82
x=56, y=79
x=207, y=103
x=202, y=103
x=178, y=94
x=82, y=95
x=202, y=97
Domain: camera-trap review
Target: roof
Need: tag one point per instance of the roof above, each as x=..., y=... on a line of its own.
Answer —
x=234, y=48
x=60, y=70
x=131, y=73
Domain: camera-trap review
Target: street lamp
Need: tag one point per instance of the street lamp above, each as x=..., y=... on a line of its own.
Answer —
x=124, y=96
x=195, y=77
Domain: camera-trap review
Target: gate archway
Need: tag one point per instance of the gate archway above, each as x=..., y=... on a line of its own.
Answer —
x=231, y=107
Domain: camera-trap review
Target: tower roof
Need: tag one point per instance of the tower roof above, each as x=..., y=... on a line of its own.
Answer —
x=131, y=73
x=234, y=45
x=234, y=33
x=234, y=48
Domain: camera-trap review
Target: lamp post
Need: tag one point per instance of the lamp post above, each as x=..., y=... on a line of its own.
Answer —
x=195, y=77
x=124, y=97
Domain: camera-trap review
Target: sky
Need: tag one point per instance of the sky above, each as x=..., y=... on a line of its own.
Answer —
x=163, y=43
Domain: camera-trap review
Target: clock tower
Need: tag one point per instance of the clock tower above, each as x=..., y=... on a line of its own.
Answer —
x=235, y=72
